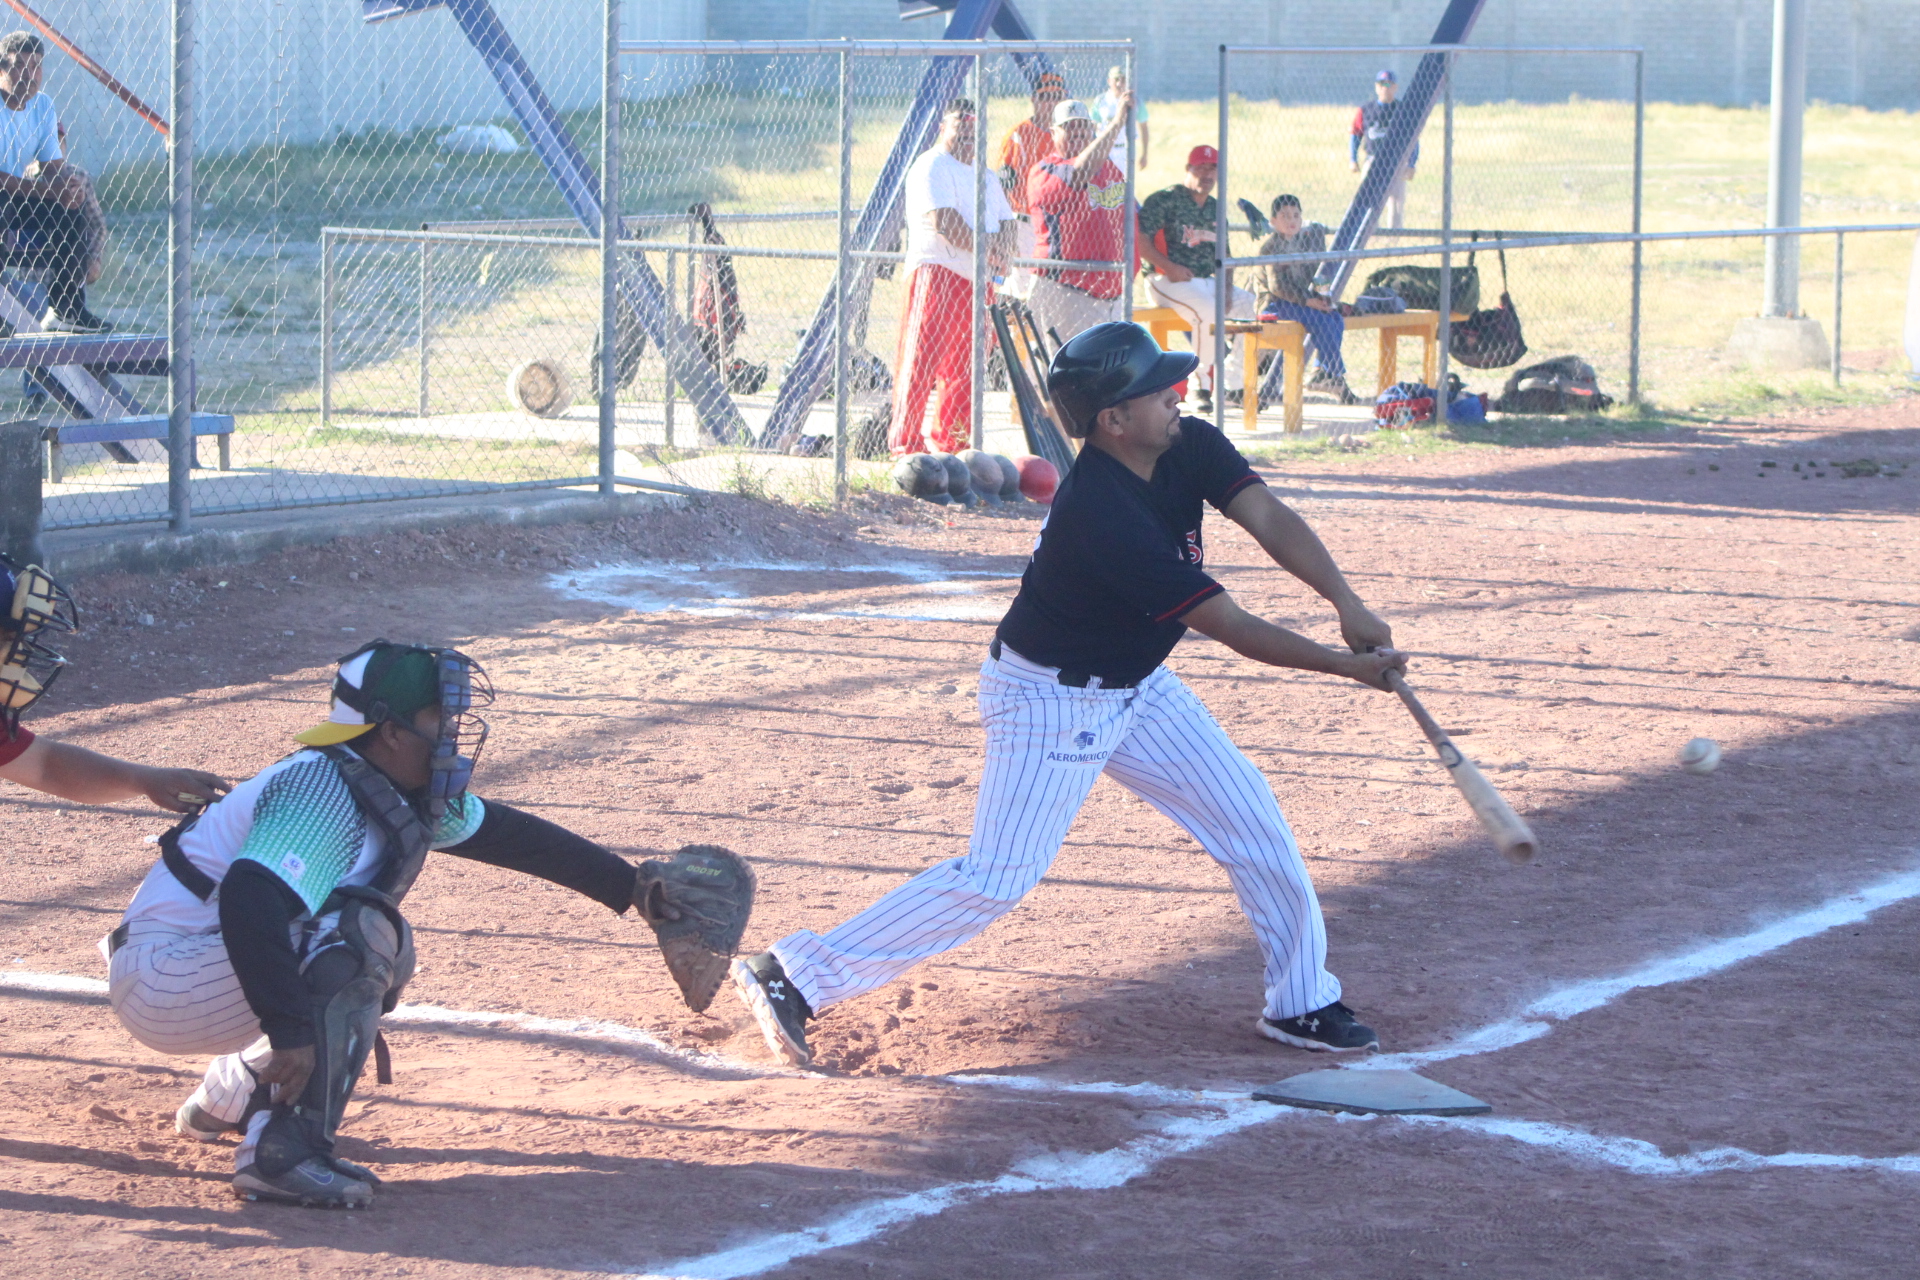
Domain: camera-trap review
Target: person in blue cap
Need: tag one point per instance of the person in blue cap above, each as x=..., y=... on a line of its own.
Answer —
x=1370, y=125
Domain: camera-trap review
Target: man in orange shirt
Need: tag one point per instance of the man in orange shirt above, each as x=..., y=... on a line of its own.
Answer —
x=1027, y=144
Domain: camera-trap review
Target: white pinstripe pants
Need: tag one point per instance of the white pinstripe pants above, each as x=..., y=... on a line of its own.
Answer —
x=1046, y=746
x=178, y=993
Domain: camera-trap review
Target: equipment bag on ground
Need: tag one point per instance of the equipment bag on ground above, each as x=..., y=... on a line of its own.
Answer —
x=1564, y=384
x=1490, y=339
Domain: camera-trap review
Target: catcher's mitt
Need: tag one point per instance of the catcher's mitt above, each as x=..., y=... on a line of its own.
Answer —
x=698, y=902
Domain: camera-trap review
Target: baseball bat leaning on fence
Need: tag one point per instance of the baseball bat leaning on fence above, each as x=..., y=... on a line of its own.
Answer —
x=1510, y=833
x=1044, y=437
x=92, y=68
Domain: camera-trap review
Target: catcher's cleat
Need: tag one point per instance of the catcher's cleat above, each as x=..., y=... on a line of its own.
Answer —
x=780, y=1010
x=314, y=1182
x=191, y=1122
x=1332, y=1029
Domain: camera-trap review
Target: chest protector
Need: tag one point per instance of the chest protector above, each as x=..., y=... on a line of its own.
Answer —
x=405, y=835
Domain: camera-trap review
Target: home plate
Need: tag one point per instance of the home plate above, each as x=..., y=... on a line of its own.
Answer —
x=1365, y=1092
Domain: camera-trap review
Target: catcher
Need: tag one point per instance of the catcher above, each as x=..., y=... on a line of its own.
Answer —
x=270, y=931
x=33, y=609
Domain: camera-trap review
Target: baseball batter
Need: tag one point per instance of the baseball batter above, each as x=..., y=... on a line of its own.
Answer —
x=270, y=931
x=1074, y=686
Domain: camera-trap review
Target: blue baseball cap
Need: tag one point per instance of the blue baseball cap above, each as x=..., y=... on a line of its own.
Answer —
x=1386, y=77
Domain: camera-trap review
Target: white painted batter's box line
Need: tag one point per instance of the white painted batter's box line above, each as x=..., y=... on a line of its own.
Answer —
x=1231, y=1112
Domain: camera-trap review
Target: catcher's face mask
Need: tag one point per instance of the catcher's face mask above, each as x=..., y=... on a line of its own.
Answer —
x=385, y=682
x=35, y=607
x=463, y=685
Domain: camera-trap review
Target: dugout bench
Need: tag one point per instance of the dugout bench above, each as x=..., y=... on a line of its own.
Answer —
x=1289, y=338
x=81, y=372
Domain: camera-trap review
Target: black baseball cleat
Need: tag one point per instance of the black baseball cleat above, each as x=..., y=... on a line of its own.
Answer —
x=315, y=1182
x=781, y=1011
x=1332, y=1029
x=1202, y=403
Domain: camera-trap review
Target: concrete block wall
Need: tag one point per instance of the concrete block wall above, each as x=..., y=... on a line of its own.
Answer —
x=299, y=71
x=1860, y=51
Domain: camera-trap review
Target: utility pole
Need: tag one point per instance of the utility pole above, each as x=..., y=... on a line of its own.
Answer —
x=1783, y=160
x=1780, y=338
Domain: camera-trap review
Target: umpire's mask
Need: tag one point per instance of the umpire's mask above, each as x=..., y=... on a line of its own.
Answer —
x=35, y=606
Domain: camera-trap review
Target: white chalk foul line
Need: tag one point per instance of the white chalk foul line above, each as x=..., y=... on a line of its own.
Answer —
x=1628, y=1154
x=1631, y=1155
x=1537, y=1019
x=428, y=1015
x=1179, y=1135
x=1098, y=1171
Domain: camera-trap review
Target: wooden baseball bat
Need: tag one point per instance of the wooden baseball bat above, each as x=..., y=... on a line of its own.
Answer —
x=1510, y=833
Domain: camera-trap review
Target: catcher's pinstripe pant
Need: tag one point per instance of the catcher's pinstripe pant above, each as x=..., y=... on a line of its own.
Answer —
x=178, y=993
x=1046, y=746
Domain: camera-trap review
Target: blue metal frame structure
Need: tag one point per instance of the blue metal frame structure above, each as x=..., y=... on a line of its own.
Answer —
x=1422, y=90
x=883, y=214
x=554, y=144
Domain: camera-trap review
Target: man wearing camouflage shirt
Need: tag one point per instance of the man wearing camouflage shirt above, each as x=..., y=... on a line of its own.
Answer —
x=1177, y=239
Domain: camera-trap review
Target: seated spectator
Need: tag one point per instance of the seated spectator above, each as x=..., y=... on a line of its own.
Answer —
x=1287, y=293
x=1177, y=238
x=43, y=200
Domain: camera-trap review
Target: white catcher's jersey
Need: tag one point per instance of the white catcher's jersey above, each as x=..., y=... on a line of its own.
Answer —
x=297, y=819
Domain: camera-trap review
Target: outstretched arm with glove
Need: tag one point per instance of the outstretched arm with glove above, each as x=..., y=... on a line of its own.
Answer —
x=697, y=901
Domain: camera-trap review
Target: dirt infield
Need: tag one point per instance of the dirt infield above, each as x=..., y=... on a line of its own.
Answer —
x=796, y=686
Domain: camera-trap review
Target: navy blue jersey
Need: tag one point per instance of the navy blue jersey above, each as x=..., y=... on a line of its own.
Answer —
x=1120, y=559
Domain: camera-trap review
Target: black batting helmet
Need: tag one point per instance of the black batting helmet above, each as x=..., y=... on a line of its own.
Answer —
x=1107, y=365
x=32, y=607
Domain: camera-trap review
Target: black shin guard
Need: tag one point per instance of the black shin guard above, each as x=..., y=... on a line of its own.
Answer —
x=354, y=974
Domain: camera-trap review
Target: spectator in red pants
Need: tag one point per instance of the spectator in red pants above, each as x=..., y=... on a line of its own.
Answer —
x=936, y=329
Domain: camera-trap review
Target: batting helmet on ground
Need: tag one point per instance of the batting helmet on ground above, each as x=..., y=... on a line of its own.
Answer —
x=1107, y=365
x=1009, y=478
x=959, y=479
x=983, y=474
x=1038, y=477
x=921, y=475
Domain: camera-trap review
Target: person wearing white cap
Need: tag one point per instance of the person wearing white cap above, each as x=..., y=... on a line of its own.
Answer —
x=1076, y=194
x=269, y=932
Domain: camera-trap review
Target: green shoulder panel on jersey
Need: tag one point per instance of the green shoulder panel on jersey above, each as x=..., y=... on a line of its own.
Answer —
x=465, y=812
x=306, y=829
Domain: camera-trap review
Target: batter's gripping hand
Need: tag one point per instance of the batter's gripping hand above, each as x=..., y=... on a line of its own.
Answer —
x=698, y=902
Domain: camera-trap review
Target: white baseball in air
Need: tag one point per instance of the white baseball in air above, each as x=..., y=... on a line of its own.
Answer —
x=1702, y=755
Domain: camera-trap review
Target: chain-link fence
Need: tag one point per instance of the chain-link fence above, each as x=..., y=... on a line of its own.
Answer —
x=399, y=287
x=1465, y=143
x=870, y=149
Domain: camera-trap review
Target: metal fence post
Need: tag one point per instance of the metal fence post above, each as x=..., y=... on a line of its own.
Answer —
x=180, y=277
x=1445, y=336
x=1222, y=278
x=840, y=282
x=1130, y=222
x=1639, y=172
x=609, y=242
x=1839, y=276
x=667, y=397
x=426, y=309
x=976, y=429
x=326, y=328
